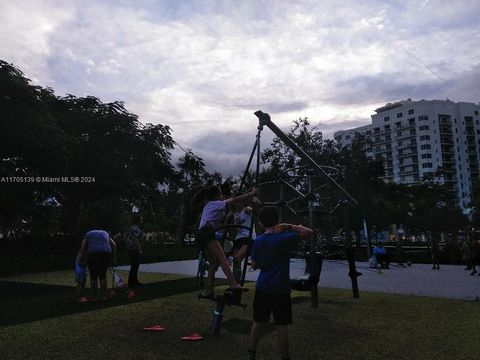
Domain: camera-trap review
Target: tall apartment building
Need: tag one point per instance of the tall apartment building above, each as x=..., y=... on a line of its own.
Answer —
x=416, y=139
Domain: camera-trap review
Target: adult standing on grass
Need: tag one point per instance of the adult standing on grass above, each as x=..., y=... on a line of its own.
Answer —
x=135, y=237
x=271, y=254
x=97, y=247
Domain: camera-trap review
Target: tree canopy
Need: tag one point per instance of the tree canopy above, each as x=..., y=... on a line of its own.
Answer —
x=111, y=163
x=118, y=161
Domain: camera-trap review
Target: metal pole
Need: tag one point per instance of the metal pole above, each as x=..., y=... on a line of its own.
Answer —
x=280, y=208
x=353, y=273
x=264, y=119
x=254, y=212
x=313, y=251
x=248, y=164
x=365, y=231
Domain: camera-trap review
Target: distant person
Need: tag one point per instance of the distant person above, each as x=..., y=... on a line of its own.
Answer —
x=97, y=247
x=373, y=235
x=214, y=207
x=437, y=248
x=400, y=242
x=80, y=278
x=135, y=237
x=381, y=255
x=475, y=256
x=400, y=254
x=466, y=247
x=271, y=254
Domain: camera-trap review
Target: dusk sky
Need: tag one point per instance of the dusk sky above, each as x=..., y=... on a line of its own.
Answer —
x=204, y=67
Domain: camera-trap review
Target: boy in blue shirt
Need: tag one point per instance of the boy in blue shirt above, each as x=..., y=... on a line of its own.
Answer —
x=271, y=254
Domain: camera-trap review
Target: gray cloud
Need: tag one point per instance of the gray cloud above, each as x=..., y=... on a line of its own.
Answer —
x=277, y=107
x=204, y=67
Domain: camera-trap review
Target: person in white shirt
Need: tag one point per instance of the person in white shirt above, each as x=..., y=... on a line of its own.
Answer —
x=207, y=240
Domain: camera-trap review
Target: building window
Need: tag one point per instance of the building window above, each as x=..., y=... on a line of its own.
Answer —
x=399, y=134
x=476, y=112
x=427, y=165
x=399, y=115
x=400, y=143
x=347, y=137
x=426, y=156
x=386, y=118
x=423, y=117
x=425, y=147
x=410, y=112
x=387, y=127
x=425, y=137
x=424, y=127
x=368, y=132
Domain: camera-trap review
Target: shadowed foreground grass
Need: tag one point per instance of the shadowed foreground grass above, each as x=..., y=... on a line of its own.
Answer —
x=40, y=320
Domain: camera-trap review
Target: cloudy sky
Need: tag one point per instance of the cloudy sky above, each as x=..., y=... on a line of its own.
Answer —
x=204, y=67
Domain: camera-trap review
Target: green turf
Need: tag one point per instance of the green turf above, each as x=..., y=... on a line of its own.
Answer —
x=39, y=320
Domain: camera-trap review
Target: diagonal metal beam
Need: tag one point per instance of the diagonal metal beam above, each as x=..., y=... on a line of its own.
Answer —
x=264, y=120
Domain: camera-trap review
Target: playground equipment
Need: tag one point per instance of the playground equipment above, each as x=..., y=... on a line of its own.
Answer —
x=228, y=298
x=343, y=200
x=309, y=282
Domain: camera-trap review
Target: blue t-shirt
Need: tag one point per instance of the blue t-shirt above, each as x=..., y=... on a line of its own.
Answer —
x=272, y=253
x=377, y=250
x=98, y=241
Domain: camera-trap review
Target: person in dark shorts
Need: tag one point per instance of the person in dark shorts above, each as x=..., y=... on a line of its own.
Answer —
x=271, y=254
x=213, y=207
x=97, y=247
x=135, y=237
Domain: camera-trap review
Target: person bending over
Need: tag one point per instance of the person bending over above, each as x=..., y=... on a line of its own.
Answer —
x=97, y=247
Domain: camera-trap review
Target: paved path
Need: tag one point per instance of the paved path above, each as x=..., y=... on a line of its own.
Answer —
x=452, y=281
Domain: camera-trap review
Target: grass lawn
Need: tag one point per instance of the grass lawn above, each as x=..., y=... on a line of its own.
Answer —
x=39, y=319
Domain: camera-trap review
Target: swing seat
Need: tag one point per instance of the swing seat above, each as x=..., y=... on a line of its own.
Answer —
x=305, y=282
x=310, y=279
